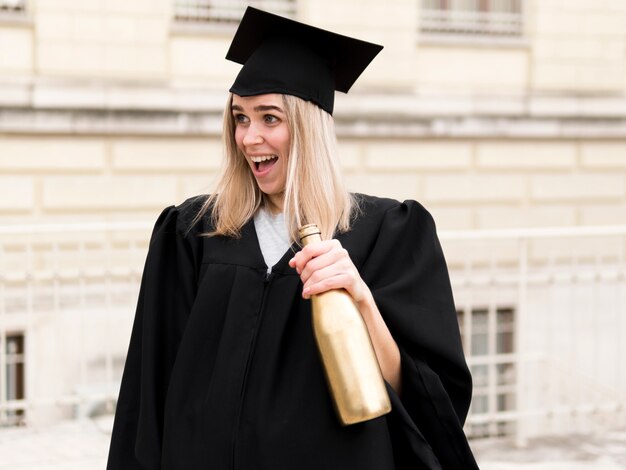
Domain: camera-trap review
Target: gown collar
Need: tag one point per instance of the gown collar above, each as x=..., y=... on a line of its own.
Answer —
x=246, y=251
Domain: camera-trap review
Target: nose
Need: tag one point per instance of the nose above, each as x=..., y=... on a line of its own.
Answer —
x=252, y=136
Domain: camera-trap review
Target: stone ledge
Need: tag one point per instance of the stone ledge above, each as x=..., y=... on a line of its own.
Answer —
x=135, y=108
x=154, y=96
x=15, y=120
x=105, y=122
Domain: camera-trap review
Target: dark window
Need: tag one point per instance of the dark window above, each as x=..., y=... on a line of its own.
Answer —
x=13, y=379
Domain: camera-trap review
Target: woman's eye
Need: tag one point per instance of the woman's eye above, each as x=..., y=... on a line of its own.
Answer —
x=240, y=119
x=271, y=119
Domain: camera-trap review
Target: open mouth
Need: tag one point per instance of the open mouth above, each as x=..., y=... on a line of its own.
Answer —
x=264, y=162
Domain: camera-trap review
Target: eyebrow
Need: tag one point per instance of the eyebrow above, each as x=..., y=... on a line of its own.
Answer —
x=259, y=108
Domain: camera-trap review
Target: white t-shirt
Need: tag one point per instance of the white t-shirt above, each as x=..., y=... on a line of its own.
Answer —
x=272, y=234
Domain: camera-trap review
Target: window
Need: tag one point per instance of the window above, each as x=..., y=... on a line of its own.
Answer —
x=488, y=336
x=12, y=6
x=14, y=12
x=226, y=11
x=12, y=348
x=499, y=18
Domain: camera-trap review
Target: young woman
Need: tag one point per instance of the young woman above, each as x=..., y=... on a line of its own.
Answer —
x=222, y=370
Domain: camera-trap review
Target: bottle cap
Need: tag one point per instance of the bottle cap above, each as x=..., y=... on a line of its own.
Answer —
x=308, y=230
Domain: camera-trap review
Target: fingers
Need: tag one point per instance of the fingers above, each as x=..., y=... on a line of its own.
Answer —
x=324, y=266
x=314, y=251
x=331, y=278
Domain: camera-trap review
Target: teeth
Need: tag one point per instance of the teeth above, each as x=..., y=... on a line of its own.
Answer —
x=262, y=158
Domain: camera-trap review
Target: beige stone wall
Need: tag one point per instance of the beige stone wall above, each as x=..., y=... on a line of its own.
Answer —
x=16, y=50
x=115, y=55
x=102, y=39
x=479, y=69
x=496, y=184
x=52, y=179
x=578, y=45
x=569, y=45
x=466, y=184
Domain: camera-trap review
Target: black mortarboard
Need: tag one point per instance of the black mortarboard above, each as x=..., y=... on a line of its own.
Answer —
x=280, y=55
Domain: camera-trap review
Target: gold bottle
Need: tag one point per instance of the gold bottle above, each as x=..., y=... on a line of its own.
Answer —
x=352, y=370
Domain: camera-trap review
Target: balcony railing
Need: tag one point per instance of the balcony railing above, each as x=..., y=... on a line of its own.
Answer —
x=69, y=291
x=492, y=18
x=12, y=5
x=543, y=317
x=14, y=11
x=226, y=11
x=542, y=314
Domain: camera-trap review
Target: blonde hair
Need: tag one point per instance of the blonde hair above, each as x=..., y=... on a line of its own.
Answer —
x=314, y=189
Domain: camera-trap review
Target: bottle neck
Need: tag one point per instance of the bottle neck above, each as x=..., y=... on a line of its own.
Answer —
x=310, y=234
x=308, y=239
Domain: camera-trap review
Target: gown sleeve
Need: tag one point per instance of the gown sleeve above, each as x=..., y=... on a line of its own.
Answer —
x=409, y=280
x=166, y=295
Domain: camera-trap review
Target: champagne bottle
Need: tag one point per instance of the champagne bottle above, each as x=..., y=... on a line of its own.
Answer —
x=350, y=364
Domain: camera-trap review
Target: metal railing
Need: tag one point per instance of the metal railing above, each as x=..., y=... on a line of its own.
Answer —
x=542, y=314
x=226, y=11
x=561, y=368
x=69, y=291
x=499, y=18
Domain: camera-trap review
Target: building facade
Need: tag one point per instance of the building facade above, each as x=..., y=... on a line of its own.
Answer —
x=495, y=114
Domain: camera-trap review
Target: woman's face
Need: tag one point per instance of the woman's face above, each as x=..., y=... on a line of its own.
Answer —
x=262, y=135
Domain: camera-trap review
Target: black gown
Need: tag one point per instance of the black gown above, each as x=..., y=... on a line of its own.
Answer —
x=223, y=372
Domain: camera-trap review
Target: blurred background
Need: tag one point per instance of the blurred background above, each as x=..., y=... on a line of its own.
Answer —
x=505, y=118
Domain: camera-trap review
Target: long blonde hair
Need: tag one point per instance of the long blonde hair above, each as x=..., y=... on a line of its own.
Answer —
x=314, y=190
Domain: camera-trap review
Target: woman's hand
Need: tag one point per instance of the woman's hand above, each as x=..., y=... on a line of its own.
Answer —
x=326, y=265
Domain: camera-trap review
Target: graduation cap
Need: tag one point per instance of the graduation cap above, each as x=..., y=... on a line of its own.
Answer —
x=280, y=55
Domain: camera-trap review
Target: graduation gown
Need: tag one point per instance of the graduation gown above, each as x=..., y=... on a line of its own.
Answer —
x=223, y=373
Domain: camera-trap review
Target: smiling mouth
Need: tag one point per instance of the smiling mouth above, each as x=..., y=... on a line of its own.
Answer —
x=263, y=162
